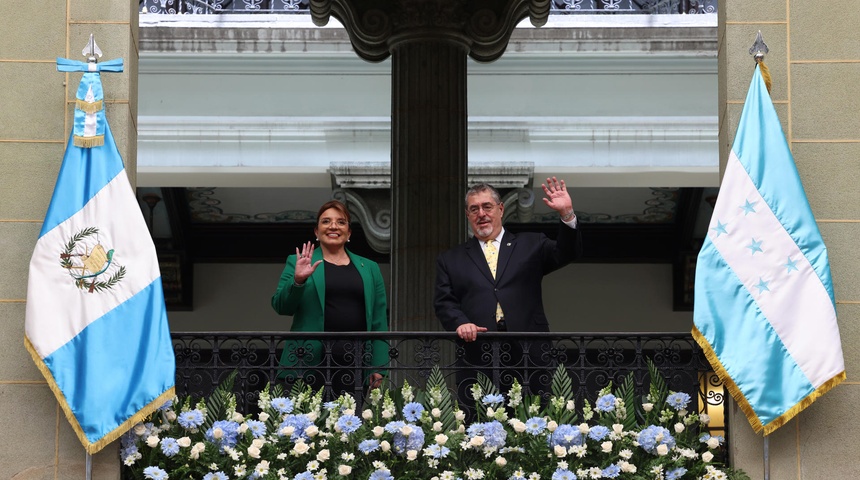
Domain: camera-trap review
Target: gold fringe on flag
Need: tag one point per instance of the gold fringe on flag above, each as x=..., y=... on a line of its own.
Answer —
x=89, y=107
x=89, y=142
x=765, y=74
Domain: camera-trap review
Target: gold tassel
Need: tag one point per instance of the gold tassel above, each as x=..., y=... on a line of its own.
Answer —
x=765, y=75
x=89, y=142
x=88, y=107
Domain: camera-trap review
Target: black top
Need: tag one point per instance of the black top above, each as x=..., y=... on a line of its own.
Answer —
x=344, y=299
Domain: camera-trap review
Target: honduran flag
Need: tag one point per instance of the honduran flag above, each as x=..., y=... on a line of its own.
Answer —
x=764, y=309
x=96, y=323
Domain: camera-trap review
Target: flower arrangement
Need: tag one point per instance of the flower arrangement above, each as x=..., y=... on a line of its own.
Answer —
x=407, y=433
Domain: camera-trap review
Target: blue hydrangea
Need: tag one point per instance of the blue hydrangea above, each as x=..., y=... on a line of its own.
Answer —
x=169, y=446
x=216, y=476
x=705, y=437
x=678, y=400
x=299, y=424
x=493, y=432
x=348, y=423
x=257, y=428
x=191, y=419
x=648, y=438
x=676, y=473
x=154, y=473
x=304, y=476
x=605, y=403
x=368, y=446
x=563, y=474
x=230, y=432
x=166, y=406
x=566, y=435
x=598, y=432
x=438, y=451
x=412, y=411
x=535, y=425
x=612, y=471
x=282, y=405
x=403, y=443
x=378, y=475
x=392, y=427
x=493, y=399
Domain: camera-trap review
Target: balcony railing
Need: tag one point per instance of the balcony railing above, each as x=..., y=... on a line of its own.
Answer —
x=559, y=7
x=593, y=361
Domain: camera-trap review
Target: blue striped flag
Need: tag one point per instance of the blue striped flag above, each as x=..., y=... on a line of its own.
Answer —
x=764, y=310
x=96, y=323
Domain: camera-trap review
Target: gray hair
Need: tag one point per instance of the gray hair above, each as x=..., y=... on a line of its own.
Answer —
x=481, y=188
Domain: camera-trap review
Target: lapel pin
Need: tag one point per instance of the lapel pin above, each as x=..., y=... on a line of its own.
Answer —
x=509, y=244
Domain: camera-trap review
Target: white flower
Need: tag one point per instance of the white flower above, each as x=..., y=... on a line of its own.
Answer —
x=344, y=470
x=679, y=427
x=323, y=455
x=441, y=439
x=139, y=429
x=385, y=446
x=287, y=431
x=312, y=430
x=476, y=441
x=459, y=415
x=662, y=449
x=705, y=418
x=559, y=451
x=435, y=412
x=606, y=447
x=313, y=465
x=490, y=412
x=707, y=457
x=551, y=425
x=253, y=452
x=240, y=470
x=196, y=450
x=713, y=442
x=243, y=428
x=387, y=413
x=625, y=454
x=312, y=416
x=406, y=430
x=584, y=428
x=152, y=440
x=461, y=428
x=617, y=428
x=571, y=405
x=500, y=461
x=627, y=467
x=171, y=415
x=217, y=433
x=263, y=417
x=258, y=442
x=184, y=442
x=238, y=418
x=262, y=468
x=437, y=426
x=411, y=455
x=647, y=407
x=367, y=414
x=300, y=448
x=519, y=425
x=378, y=431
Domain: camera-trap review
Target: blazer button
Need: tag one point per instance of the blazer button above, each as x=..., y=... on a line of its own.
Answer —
x=495, y=289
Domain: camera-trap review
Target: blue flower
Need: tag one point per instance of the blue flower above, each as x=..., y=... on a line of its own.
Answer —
x=348, y=423
x=154, y=473
x=229, y=430
x=678, y=400
x=598, y=432
x=169, y=446
x=412, y=411
x=166, y=406
x=605, y=403
x=535, y=425
x=493, y=399
x=611, y=471
x=438, y=451
x=282, y=405
x=216, y=476
x=331, y=405
x=403, y=443
x=299, y=424
x=377, y=475
x=493, y=432
x=563, y=474
x=191, y=419
x=648, y=438
x=676, y=473
x=565, y=435
x=392, y=427
x=368, y=446
x=304, y=476
x=257, y=428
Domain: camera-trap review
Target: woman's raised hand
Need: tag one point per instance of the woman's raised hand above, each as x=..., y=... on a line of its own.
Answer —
x=304, y=267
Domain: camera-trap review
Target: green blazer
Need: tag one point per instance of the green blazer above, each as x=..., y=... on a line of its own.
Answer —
x=306, y=304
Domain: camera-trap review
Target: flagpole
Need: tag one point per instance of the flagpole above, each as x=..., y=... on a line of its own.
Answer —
x=89, y=467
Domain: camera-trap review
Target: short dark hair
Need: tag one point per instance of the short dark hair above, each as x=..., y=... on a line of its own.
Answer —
x=481, y=188
x=337, y=205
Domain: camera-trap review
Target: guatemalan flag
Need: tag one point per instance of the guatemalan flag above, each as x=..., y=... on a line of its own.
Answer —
x=764, y=310
x=96, y=324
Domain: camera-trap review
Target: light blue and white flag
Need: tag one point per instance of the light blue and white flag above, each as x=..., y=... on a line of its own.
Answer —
x=96, y=323
x=764, y=310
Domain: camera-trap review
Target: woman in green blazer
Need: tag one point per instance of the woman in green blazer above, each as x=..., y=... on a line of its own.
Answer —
x=333, y=289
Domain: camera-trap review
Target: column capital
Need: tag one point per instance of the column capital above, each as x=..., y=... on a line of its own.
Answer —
x=482, y=29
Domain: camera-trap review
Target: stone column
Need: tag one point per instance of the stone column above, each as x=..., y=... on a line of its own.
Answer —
x=428, y=41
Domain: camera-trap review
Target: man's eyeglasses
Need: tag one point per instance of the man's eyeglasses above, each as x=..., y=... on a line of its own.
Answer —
x=476, y=209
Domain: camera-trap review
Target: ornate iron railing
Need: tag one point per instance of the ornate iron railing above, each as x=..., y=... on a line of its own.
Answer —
x=328, y=359
x=646, y=7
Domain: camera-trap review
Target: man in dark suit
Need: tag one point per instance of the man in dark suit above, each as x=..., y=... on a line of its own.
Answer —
x=471, y=297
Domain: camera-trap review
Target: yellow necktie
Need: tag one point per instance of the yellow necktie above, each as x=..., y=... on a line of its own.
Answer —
x=492, y=256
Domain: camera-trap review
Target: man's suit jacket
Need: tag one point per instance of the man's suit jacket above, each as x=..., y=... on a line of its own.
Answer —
x=306, y=305
x=466, y=291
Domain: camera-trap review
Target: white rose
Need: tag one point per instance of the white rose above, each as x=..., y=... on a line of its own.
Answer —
x=571, y=405
x=712, y=442
x=559, y=451
x=551, y=425
x=682, y=412
x=435, y=412
x=378, y=431
x=217, y=433
x=500, y=461
x=662, y=449
x=705, y=418
x=627, y=467
x=323, y=455
x=519, y=426
x=238, y=418
x=344, y=470
x=584, y=428
x=312, y=431
x=171, y=415
x=263, y=416
x=437, y=426
x=476, y=441
x=253, y=452
x=647, y=407
x=707, y=457
x=184, y=442
x=606, y=447
x=490, y=412
x=441, y=439
x=679, y=427
x=349, y=411
x=387, y=414
x=258, y=442
x=288, y=431
x=384, y=445
x=242, y=428
x=411, y=455
x=406, y=430
x=312, y=416
x=152, y=440
x=139, y=429
x=367, y=414
x=459, y=415
x=301, y=448
x=461, y=428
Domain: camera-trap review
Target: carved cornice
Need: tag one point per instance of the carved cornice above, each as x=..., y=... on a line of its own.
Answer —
x=482, y=28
